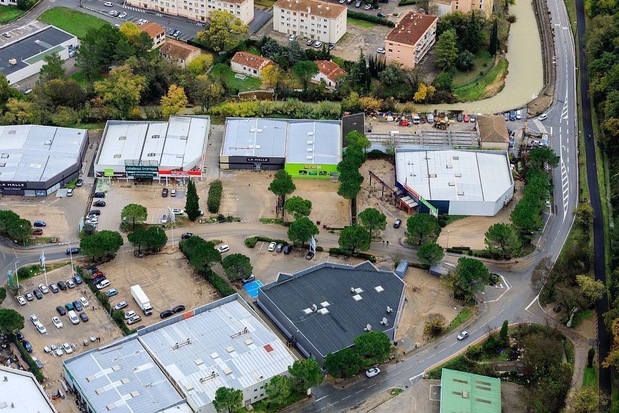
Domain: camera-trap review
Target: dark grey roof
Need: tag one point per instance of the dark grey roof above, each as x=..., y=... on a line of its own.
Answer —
x=28, y=47
x=330, y=287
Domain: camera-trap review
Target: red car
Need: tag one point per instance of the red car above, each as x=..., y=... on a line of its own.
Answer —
x=466, y=117
x=404, y=122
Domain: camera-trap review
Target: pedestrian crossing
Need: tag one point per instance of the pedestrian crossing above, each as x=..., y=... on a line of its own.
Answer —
x=134, y=9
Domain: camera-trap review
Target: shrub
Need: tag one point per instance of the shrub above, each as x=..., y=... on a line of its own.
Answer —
x=34, y=369
x=370, y=18
x=590, y=357
x=474, y=352
x=214, y=196
x=218, y=283
x=251, y=242
x=407, y=2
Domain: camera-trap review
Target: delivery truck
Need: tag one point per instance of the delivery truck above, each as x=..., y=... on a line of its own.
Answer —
x=140, y=297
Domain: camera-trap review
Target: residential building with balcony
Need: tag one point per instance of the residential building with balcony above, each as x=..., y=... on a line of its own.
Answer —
x=409, y=41
x=155, y=32
x=310, y=19
x=198, y=9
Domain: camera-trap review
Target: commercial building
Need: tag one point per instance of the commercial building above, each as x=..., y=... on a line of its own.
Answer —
x=155, y=32
x=329, y=72
x=154, y=150
x=199, y=10
x=24, y=56
x=409, y=41
x=178, y=52
x=249, y=64
x=455, y=182
x=311, y=19
x=322, y=309
x=305, y=148
x=178, y=364
x=465, y=6
x=492, y=132
x=21, y=392
x=38, y=160
x=469, y=393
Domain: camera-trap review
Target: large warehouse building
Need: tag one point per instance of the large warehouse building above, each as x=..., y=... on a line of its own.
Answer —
x=305, y=148
x=154, y=150
x=455, y=182
x=322, y=309
x=38, y=160
x=178, y=364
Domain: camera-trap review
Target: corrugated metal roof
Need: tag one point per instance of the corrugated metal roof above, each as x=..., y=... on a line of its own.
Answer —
x=255, y=137
x=314, y=142
x=334, y=287
x=463, y=392
x=37, y=153
x=454, y=175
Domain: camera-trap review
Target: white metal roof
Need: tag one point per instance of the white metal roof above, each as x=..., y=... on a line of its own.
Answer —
x=20, y=392
x=37, y=153
x=454, y=175
x=255, y=137
x=314, y=142
x=176, y=144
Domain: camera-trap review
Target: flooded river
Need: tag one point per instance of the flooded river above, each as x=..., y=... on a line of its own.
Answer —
x=525, y=78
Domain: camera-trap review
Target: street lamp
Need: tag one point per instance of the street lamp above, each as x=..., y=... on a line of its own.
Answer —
x=17, y=276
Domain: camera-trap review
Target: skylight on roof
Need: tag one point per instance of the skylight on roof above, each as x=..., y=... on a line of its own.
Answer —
x=379, y=289
x=357, y=297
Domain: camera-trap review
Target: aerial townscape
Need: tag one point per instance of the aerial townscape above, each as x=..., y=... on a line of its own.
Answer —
x=228, y=206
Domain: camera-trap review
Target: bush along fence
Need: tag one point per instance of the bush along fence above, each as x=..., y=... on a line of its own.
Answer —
x=370, y=18
x=197, y=251
x=214, y=196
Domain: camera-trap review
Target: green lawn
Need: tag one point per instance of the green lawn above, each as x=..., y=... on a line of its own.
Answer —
x=590, y=378
x=80, y=77
x=265, y=4
x=361, y=23
x=464, y=315
x=9, y=13
x=482, y=63
x=72, y=21
x=477, y=90
x=224, y=72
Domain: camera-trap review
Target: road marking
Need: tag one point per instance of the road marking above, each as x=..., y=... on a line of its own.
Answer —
x=360, y=391
x=323, y=397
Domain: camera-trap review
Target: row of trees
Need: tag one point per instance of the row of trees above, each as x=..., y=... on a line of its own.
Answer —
x=369, y=349
x=15, y=227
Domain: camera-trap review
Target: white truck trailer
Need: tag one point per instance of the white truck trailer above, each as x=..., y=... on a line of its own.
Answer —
x=140, y=297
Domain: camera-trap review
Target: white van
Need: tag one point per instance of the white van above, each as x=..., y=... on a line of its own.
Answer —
x=73, y=317
x=519, y=114
x=103, y=284
x=416, y=119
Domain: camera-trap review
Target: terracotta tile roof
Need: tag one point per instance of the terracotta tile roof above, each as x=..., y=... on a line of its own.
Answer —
x=177, y=50
x=313, y=7
x=152, y=29
x=410, y=29
x=251, y=60
x=492, y=128
x=330, y=69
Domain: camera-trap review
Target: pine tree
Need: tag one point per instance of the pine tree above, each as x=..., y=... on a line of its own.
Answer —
x=192, y=206
x=493, y=47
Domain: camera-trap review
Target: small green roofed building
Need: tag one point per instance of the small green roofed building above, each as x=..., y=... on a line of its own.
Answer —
x=469, y=393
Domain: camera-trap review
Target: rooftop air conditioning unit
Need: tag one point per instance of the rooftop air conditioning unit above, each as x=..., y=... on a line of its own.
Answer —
x=389, y=309
x=12, y=61
x=368, y=328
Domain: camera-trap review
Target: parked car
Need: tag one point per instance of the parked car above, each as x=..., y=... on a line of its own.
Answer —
x=272, y=246
x=134, y=319
x=29, y=297
x=84, y=302
x=473, y=118
x=166, y=313
x=463, y=335
x=84, y=317
x=358, y=4
x=223, y=248
x=77, y=305
x=164, y=219
x=92, y=212
x=310, y=42
x=173, y=192
x=542, y=117
x=61, y=310
x=99, y=195
x=19, y=336
x=70, y=283
x=43, y=288
x=367, y=6
x=39, y=224
x=98, y=279
x=459, y=117
x=67, y=348
x=512, y=115
x=108, y=4
x=37, y=294
x=34, y=319
x=309, y=255
x=292, y=38
x=122, y=15
x=77, y=279
x=397, y=223
x=27, y=346
x=121, y=305
x=187, y=235
x=70, y=192
x=54, y=288
x=111, y=292
x=57, y=322
x=381, y=15
x=380, y=50
x=103, y=284
x=7, y=35
x=62, y=285
x=178, y=308
x=287, y=249
x=466, y=117
x=98, y=203
x=21, y=300
x=317, y=45
x=372, y=372
x=177, y=211
x=37, y=231
x=249, y=279
x=72, y=250
x=129, y=314
x=279, y=247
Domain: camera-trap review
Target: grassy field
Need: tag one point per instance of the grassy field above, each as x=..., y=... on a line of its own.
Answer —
x=464, y=315
x=361, y=23
x=482, y=63
x=72, y=21
x=477, y=90
x=9, y=13
x=222, y=71
x=590, y=378
x=264, y=4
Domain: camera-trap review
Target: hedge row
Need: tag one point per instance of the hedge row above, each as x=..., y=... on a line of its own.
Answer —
x=370, y=18
x=221, y=285
x=34, y=369
x=252, y=241
x=407, y=2
x=214, y=196
x=339, y=251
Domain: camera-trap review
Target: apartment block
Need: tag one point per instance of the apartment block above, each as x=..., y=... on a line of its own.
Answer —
x=198, y=9
x=465, y=6
x=310, y=19
x=409, y=41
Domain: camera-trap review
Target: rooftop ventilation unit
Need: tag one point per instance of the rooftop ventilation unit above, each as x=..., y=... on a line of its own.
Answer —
x=389, y=309
x=367, y=328
x=458, y=175
x=12, y=61
x=257, y=146
x=310, y=149
x=451, y=184
x=465, y=394
x=357, y=297
x=384, y=321
x=309, y=157
x=310, y=142
x=307, y=310
x=310, y=133
x=314, y=307
x=323, y=311
x=461, y=193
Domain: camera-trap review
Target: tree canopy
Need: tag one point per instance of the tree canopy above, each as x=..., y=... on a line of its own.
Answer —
x=133, y=214
x=430, y=254
x=10, y=321
x=225, y=31
x=122, y=89
x=301, y=230
x=305, y=374
x=298, y=207
x=228, y=400
x=373, y=220
x=203, y=254
x=192, y=204
x=278, y=390
x=373, y=347
x=469, y=277
x=354, y=238
x=422, y=228
x=502, y=240
x=151, y=239
x=281, y=186
x=103, y=244
x=237, y=266
x=174, y=102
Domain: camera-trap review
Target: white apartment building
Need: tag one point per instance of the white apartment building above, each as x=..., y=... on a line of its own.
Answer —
x=310, y=19
x=198, y=9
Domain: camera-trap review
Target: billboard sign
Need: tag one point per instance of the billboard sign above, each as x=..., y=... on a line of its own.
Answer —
x=141, y=171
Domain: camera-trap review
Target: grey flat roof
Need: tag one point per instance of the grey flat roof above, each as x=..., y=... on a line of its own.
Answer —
x=30, y=46
x=21, y=391
x=178, y=143
x=300, y=141
x=454, y=175
x=328, y=287
x=122, y=377
x=37, y=153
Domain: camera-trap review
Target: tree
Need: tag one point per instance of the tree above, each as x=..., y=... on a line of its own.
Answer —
x=295, y=53
x=10, y=321
x=298, y=206
x=133, y=214
x=237, y=266
x=493, y=45
x=130, y=30
x=281, y=186
x=271, y=75
x=192, y=205
x=587, y=399
x=465, y=61
x=542, y=157
x=344, y=363
x=103, y=244
x=584, y=216
x=525, y=218
x=228, y=400
x=52, y=69
x=301, y=230
x=446, y=50
x=424, y=92
x=591, y=289
x=200, y=65
x=354, y=238
x=430, y=253
x=152, y=239
x=469, y=277
x=278, y=390
x=373, y=347
x=444, y=81
x=122, y=89
x=504, y=333
x=435, y=325
x=304, y=71
x=373, y=220
x=421, y=229
x=473, y=36
x=19, y=230
x=359, y=75
x=502, y=239
x=174, y=102
x=305, y=374
x=206, y=90
x=391, y=76
x=202, y=253
x=18, y=111
x=358, y=139
x=225, y=31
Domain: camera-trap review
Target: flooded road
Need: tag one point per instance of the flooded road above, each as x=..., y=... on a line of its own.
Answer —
x=525, y=78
